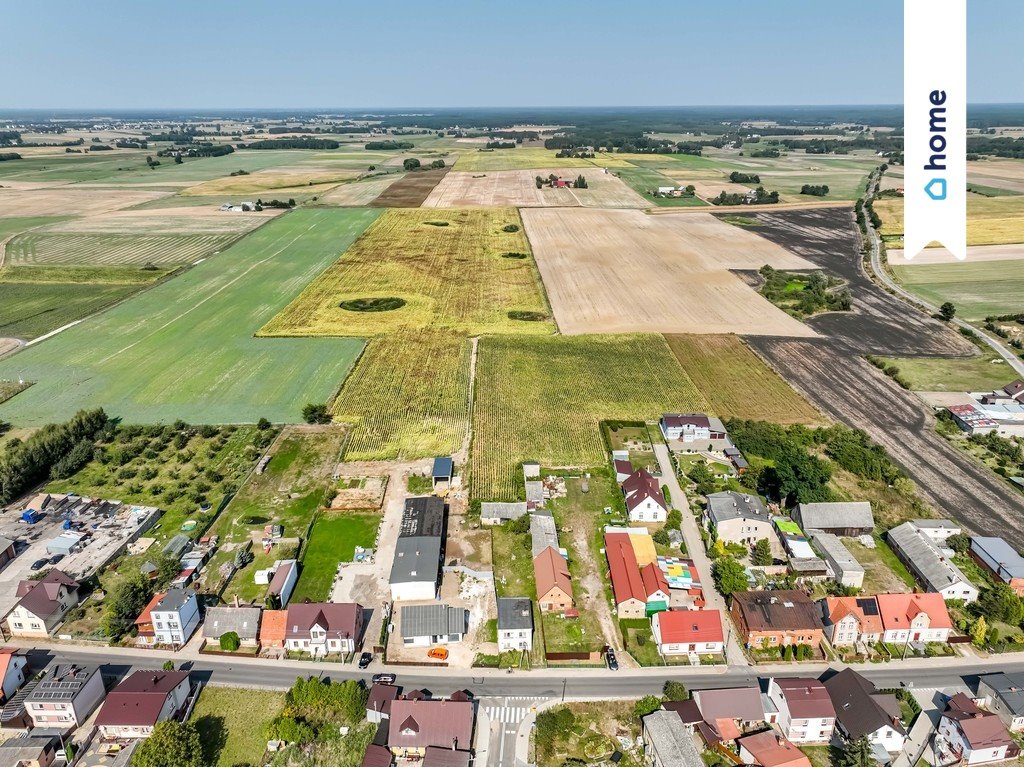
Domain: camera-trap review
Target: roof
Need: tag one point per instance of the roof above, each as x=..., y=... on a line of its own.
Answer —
x=771, y=749
x=281, y=576
x=690, y=626
x=1014, y=387
x=543, y=533
x=623, y=466
x=381, y=697
x=972, y=416
x=743, y=703
x=937, y=524
x=244, y=621
x=654, y=579
x=860, y=708
x=784, y=610
x=445, y=757
x=63, y=682
x=515, y=613
x=550, y=570
x=146, y=616
x=899, y=610
x=686, y=709
x=443, y=466
x=622, y=565
x=422, y=516
x=339, y=620
x=665, y=732
x=686, y=419
x=731, y=505
x=1009, y=688
x=936, y=572
x=864, y=609
x=534, y=491
x=981, y=729
x=41, y=597
x=25, y=749
x=806, y=698
x=433, y=620
x=1008, y=562
x=831, y=516
x=422, y=723
x=500, y=510
x=377, y=756
x=273, y=625
x=641, y=485
x=7, y=654
x=137, y=701
x=5, y=543
x=416, y=559
x=174, y=599
x=834, y=550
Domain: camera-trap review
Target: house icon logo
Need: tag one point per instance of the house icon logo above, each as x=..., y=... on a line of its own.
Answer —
x=936, y=189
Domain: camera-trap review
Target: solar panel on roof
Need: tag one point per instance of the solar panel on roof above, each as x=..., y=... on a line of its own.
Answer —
x=868, y=606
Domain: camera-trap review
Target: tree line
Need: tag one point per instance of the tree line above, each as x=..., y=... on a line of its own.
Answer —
x=292, y=143
x=388, y=145
x=815, y=190
x=744, y=178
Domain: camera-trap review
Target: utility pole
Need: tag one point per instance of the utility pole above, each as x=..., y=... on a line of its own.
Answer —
x=564, y=682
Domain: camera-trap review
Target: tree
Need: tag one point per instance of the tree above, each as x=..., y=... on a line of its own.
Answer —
x=675, y=691
x=168, y=665
x=661, y=537
x=947, y=311
x=856, y=753
x=172, y=744
x=979, y=632
x=646, y=705
x=1000, y=603
x=229, y=641
x=316, y=412
x=762, y=555
x=263, y=424
x=125, y=603
x=729, y=576
x=411, y=163
x=167, y=569
x=959, y=542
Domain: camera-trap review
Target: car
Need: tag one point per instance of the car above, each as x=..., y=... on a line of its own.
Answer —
x=365, y=659
x=611, y=660
x=438, y=653
x=55, y=559
x=383, y=678
x=39, y=564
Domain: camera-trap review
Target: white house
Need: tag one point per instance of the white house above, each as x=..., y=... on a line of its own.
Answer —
x=1004, y=694
x=143, y=700
x=42, y=605
x=644, y=500
x=863, y=711
x=425, y=625
x=65, y=697
x=175, y=617
x=914, y=618
x=688, y=632
x=973, y=735
x=12, y=671
x=323, y=628
x=515, y=624
x=806, y=714
x=692, y=427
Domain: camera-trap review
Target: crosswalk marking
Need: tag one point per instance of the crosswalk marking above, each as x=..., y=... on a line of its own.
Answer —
x=507, y=712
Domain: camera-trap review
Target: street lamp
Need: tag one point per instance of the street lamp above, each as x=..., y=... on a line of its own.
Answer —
x=564, y=682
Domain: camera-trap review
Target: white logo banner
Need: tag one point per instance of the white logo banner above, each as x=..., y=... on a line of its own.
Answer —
x=935, y=125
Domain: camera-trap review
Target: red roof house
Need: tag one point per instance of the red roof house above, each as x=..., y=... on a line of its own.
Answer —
x=914, y=618
x=681, y=632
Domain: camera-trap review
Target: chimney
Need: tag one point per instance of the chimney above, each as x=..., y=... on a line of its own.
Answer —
x=780, y=740
x=236, y=600
x=455, y=744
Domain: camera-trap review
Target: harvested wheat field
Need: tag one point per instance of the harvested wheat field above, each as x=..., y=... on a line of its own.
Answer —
x=69, y=201
x=359, y=194
x=943, y=256
x=518, y=188
x=410, y=191
x=281, y=180
x=622, y=271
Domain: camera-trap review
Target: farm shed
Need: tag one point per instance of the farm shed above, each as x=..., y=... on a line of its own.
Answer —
x=849, y=519
x=930, y=566
x=497, y=513
x=442, y=471
x=64, y=543
x=424, y=625
x=842, y=565
x=1000, y=559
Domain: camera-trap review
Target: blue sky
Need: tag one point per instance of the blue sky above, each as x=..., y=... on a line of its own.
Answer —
x=391, y=53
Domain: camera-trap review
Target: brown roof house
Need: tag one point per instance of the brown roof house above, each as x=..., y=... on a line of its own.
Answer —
x=806, y=713
x=863, y=711
x=728, y=712
x=767, y=619
x=416, y=725
x=554, y=585
x=323, y=628
x=144, y=698
x=43, y=604
x=974, y=735
x=379, y=702
x=769, y=749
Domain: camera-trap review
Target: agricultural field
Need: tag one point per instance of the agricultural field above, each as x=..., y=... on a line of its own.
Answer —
x=976, y=253
x=38, y=201
x=354, y=194
x=676, y=280
x=273, y=182
x=977, y=289
x=990, y=220
x=1003, y=175
x=410, y=190
x=408, y=397
x=985, y=372
x=333, y=539
x=518, y=188
x=185, y=349
x=543, y=398
x=643, y=180
x=737, y=383
x=232, y=723
x=460, y=270
x=474, y=161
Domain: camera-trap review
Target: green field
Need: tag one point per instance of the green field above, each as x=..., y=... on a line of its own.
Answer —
x=334, y=539
x=543, y=398
x=643, y=180
x=231, y=722
x=51, y=248
x=978, y=289
x=12, y=226
x=982, y=373
x=185, y=349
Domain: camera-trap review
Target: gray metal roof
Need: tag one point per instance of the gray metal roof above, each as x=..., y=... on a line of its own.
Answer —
x=936, y=572
x=417, y=559
x=63, y=682
x=731, y=505
x=443, y=466
x=174, y=600
x=809, y=565
x=535, y=491
x=433, y=620
x=515, y=613
x=670, y=739
x=831, y=516
x=835, y=552
x=422, y=516
x=244, y=621
x=543, y=533
x=1009, y=688
x=504, y=511
x=1003, y=558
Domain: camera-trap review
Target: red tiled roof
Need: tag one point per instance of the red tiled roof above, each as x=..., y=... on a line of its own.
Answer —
x=654, y=580
x=625, y=572
x=137, y=701
x=898, y=610
x=771, y=749
x=690, y=626
x=273, y=625
x=146, y=616
x=839, y=607
x=684, y=419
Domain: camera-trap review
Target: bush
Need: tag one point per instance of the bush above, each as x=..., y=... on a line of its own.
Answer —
x=386, y=304
x=526, y=316
x=661, y=537
x=229, y=641
x=510, y=228
x=316, y=412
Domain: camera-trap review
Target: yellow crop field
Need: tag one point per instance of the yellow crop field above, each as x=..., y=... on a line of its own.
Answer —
x=408, y=397
x=990, y=220
x=531, y=157
x=543, y=398
x=454, y=269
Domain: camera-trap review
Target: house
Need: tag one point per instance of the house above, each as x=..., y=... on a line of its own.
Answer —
x=929, y=565
x=623, y=468
x=842, y=566
x=12, y=672
x=1015, y=390
x=1000, y=559
x=515, y=624
x=445, y=757
x=323, y=628
x=644, y=500
x=914, y=618
x=141, y=700
x=737, y=518
x=498, y=513
x=852, y=620
x=30, y=751
x=806, y=713
x=776, y=618
x=145, y=635
x=65, y=697
x=667, y=742
x=379, y=702
x=687, y=632
x=692, y=427
x=769, y=749
x=7, y=552
x=426, y=625
x=175, y=617
x=286, y=575
x=554, y=584
x=656, y=587
x=273, y=628
x=416, y=570
x=43, y=604
x=637, y=593
x=730, y=711
x=863, y=711
x=442, y=471
x=849, y=519
x=1004, y=694
x=973, y=735
x=938, y=530
x=414, y=725
x=242, y=621
x=377, y=756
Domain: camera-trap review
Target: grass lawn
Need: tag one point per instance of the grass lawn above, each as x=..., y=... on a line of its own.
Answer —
x=513, y=563
x=185, y=349
x=819, y=755
x=518, y=159
x=644, y=180
x=978, y=289
x=982, y=373
x=883, y=571
x=592, y=735
x=333, y=539
x=581, y=634
x=231, y=723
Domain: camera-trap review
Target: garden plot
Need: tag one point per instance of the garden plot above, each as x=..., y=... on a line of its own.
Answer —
x=624, y=271
x=518, y=188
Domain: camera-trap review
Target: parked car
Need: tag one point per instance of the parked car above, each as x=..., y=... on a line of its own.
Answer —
x=438, y=653
x=611, y=660
x=39, y=564
x=55, y=559
x=383, y=678
x=365, y=659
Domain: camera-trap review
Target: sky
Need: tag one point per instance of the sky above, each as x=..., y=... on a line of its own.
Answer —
x=460, y=53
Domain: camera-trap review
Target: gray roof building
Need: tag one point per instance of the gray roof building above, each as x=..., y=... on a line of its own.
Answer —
x=174, y=599
x=433, y=620
x=515, y=613
x=502, y=512
x=999, y=557
x=535, y=492
x=929, y=565
x=178, y=545
x=1007, y=689
x=841, y=518
x=244, y=621
x=62, y=683
x=416, y=559
x=28, y=749
x=860, y=708
x=731, y=505
x=841, y=563
x=668, y=742
x=543, y=532
x=423, y=516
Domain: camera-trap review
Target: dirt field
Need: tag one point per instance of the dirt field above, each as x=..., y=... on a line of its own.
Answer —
x=675, y=279
x=65, y=201
x=359, y=193
x=410, y=191
x=943, y=256
x=274, y=181
x=518, y=188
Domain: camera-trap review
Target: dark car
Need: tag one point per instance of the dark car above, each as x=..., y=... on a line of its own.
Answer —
x=39, y=564
x=383, y=678
x=612, y=661
x=55, y=559
x=365, y=659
